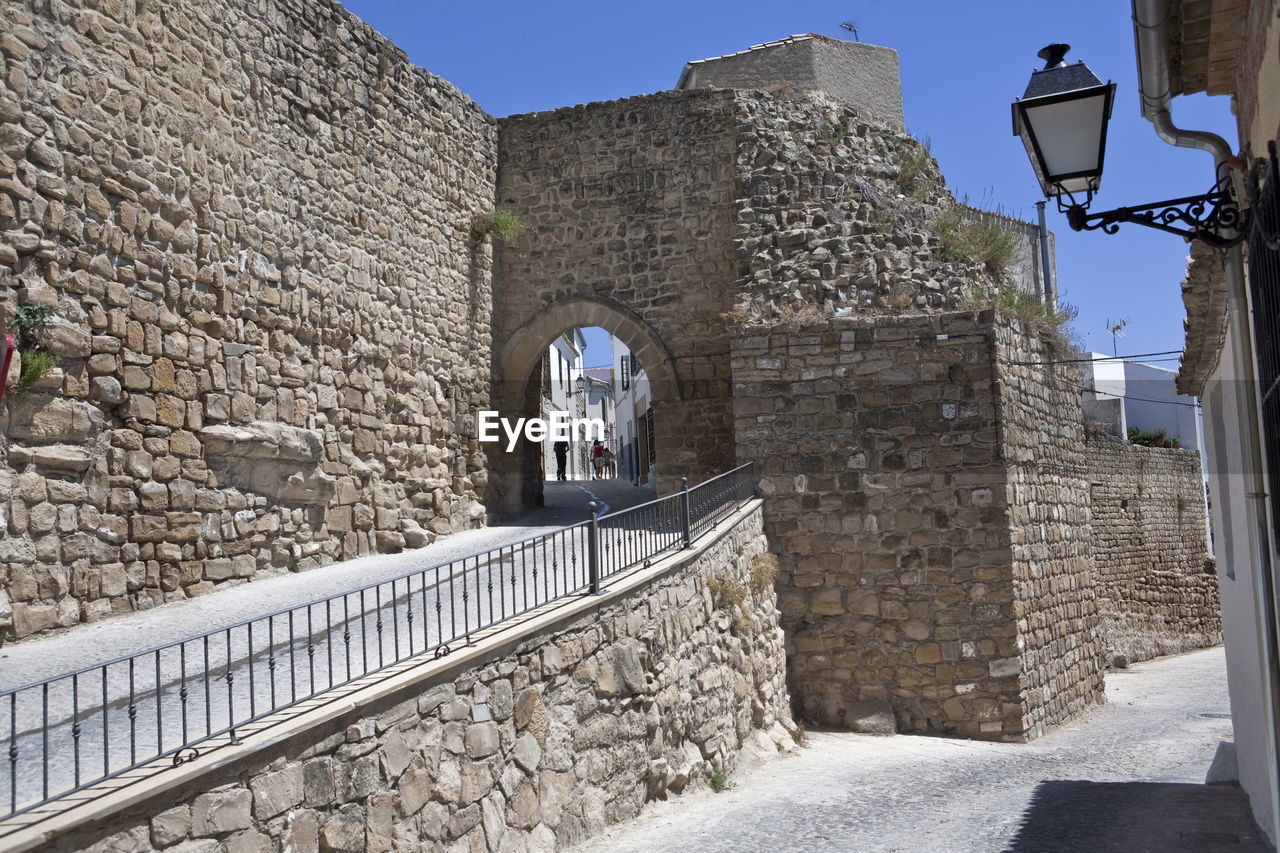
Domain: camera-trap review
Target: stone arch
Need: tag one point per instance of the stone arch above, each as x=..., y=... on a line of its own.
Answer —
x=529, y=343
x=516, y=484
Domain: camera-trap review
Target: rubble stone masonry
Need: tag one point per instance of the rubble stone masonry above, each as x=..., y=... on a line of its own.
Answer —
x=532, y=747
x=1157, y=588
x=935, y=565
x=251, y=225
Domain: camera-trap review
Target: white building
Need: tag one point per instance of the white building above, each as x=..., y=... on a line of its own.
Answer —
x=1128, y=394
x=633, y=409
x=561, y=370
x=599, y=401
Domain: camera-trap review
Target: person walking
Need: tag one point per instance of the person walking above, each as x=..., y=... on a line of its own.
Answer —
x=561, y=449
x=597, y=459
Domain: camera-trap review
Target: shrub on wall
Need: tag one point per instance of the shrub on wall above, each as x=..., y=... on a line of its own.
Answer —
x=35, y=361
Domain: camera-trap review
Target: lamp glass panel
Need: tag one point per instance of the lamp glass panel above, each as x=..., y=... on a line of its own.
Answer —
x=1068, y=135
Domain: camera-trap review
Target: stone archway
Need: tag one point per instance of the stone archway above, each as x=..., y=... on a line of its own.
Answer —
x=516, y=479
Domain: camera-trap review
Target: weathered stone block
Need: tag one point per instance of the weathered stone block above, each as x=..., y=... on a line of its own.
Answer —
x=220, y=812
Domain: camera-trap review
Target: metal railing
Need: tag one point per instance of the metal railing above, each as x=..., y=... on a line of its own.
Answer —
x=67, y=733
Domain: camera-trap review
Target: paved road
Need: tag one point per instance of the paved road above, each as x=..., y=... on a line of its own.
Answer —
x=167, y=698
x=1126, y=778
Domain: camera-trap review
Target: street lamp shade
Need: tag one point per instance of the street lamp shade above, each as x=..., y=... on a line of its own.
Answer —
x=1062, y=120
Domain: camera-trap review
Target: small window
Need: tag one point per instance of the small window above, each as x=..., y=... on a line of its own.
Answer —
x=624, y=368
x=653, y=450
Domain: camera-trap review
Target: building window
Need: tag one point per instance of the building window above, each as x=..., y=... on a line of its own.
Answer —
x=624, y=368
x=653, y=450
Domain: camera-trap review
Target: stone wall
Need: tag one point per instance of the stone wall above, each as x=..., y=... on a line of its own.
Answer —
x=843, y=215
x=910, y=533
x=862, y=76
x=251, y=225
x=1157, y=588
x=1059, y=661
x=539, y=744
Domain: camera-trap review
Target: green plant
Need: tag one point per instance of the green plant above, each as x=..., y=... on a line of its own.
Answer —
x=1035, y=316
x=835, y=134
x=1137, y=435
x=915, y=162
x=35, y=363
x=500, y=223
x=28, y=318
x=969, y=236
x=719, y=781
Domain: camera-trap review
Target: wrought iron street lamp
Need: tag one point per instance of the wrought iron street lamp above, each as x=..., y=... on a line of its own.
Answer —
x=1062, y=120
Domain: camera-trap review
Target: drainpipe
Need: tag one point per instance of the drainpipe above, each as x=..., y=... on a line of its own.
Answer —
x=1050, y=293
x=1150, y=20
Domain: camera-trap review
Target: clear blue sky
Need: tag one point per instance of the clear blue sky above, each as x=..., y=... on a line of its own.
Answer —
x=962, y=64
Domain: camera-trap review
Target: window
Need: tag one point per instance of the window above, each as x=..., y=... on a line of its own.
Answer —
x=653, y=451
x=624, y=368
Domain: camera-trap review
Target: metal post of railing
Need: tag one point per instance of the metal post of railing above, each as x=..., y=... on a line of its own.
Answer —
x=686, y=531
x=593, y=550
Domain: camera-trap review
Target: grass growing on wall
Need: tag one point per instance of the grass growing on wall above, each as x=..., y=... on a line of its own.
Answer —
x=34, y=364
x=916, y=168
x=967, y=236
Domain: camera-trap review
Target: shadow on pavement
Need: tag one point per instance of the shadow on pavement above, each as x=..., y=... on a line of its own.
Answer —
x=1132, y=817
x=568, y=502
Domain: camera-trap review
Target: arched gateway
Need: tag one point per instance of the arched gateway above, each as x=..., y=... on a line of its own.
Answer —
x=517, y=478
x=631, y=230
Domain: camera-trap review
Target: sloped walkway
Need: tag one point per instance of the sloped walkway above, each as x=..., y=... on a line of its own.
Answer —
x=1126, y=778
x=46, y=656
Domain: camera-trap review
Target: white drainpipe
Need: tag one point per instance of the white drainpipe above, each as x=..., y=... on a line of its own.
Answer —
x=1150, y=19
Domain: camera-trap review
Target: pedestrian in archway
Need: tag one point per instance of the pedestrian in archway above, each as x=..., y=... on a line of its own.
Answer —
x=597, y=459
x=561, y=449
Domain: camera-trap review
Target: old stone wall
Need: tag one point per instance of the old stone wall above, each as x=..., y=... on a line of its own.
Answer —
x=890, y=459
x=541, y=745
x=1157, y=589
x=250, y=223
x=1059, y=661
x=843, y=215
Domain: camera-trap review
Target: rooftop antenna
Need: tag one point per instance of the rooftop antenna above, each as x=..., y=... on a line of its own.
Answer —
x=1115, y=328
x=851, y=27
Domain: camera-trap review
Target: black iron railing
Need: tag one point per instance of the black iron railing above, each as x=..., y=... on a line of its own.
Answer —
x=76, y=730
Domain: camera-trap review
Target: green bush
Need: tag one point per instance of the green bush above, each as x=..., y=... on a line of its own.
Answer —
x=1158, y=438
x=500, y=223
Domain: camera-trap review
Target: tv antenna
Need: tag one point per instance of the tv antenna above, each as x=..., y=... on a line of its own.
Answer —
x=1115, y=328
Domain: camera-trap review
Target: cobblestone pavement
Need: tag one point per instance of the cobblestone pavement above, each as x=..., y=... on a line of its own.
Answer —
x=1127, y=777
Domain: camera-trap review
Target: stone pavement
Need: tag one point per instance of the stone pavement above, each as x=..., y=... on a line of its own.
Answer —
x=48, y=655
x=1127, y=777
